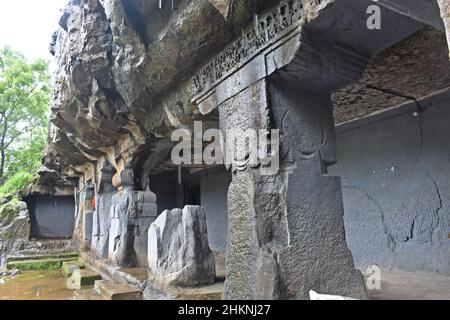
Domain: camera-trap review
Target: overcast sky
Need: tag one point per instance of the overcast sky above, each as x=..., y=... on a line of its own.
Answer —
x=27, y=25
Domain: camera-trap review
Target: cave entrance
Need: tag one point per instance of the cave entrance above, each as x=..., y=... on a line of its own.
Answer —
x=51, y=217
x=192, y=194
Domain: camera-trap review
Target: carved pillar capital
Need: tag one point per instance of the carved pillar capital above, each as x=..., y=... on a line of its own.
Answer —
x=125, y=178
x=276, y=44
x=105, y=177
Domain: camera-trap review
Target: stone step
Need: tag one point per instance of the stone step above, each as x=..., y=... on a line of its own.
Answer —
x=69, y=267
x=111, y=290
x=212, y=292
x=66, y=255
x=135, y=274
x=86, y=294
x=82, y=278
x=39, y=264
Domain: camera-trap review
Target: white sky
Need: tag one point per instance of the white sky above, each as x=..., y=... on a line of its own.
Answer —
x=27, y=25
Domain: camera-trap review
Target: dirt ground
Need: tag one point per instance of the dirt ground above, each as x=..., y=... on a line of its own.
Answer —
x=403, y=285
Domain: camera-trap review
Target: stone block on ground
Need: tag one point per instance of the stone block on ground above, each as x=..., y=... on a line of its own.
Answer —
x=82, y=278
x=69, y=267
x=111, y=290
x=178, y=249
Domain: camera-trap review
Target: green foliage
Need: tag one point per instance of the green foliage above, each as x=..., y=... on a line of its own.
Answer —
x=24, y=99
x=26, y=154
x=17, y=182
x=7, y=235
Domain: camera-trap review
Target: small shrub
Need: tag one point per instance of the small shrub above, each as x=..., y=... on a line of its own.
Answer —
x=17, y=182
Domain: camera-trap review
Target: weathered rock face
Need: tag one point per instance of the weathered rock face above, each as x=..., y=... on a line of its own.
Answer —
x=118, y=63
x=115, y=59
x=178, y=249
x=14, y=227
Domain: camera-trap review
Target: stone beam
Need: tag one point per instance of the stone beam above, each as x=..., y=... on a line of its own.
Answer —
x=270, y=44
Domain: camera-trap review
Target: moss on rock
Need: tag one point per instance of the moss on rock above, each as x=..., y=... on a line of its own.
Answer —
x=7, y=212
x=44, y=264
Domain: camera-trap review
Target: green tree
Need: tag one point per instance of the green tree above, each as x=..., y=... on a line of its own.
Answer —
x=24, y=99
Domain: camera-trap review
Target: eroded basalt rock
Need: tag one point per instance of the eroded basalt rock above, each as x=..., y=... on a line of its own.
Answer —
x=178, y=249
x=124, y=72
x=14, y=227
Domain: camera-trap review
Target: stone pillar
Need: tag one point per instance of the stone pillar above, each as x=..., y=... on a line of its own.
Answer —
x=83, y=215
x=88, y=215
x=102, y=222
x=286, y=231
x=445, y=13
x=132, y=213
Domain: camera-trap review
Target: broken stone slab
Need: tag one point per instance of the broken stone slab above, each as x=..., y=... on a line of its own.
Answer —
x=111, y=290
x=178, y=249
x=82, y=278
x=69, y=267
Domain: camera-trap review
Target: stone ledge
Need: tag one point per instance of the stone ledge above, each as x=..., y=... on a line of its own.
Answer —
x=39, y=264
x=111, y=290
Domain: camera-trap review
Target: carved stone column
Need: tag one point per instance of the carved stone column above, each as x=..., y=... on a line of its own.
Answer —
x=286, y=230
x=132, y=213
x=83, y=215
x=102, y=222
x=88, y=215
